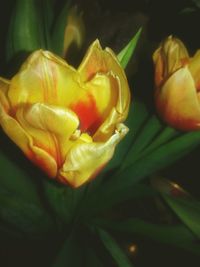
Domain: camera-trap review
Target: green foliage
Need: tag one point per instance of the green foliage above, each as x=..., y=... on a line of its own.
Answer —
x=20, y=204
x=184, y=206
x=125, y=55
x=176, y=235
x=24, y=33
x=59, y=30
x=71, y=252
x=113, y=248
x=187, y=210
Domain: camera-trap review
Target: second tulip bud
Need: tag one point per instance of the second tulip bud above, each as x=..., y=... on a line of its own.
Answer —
x=177, y=80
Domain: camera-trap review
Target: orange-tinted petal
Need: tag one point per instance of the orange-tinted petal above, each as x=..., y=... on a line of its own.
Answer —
x=50, y=128
x=97, y=101
x=177, y=101
x=21, y=138
x=44, y=78
x=85, y=159
x=194, y=67
x=101, y=61
x=4, y=87
x=169, y=57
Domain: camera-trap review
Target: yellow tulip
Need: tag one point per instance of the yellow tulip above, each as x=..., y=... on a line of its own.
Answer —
x=67, y=121
x=177, y=79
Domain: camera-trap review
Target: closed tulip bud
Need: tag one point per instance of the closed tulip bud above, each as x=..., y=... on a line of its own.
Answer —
x=177, y=80
x=74, y=30
x=67, y=121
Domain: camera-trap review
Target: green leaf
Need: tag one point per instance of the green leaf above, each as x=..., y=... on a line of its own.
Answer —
x=70, y=253
x=163, y=137
x=197, y=3
x=59, y=30
x=24, y=34
x=185, y=207
x=25, y=216
x=122, y=182
x=92, y=259
x=113, y=248
x=46, y=8
x=14, y=177
x=63, y=200
x=105, y=201
x=125, y=55
x=20, y=203
x=149, y=131
x=165, y=155
x=187, y=210
x=177, y=235
x=136, y=118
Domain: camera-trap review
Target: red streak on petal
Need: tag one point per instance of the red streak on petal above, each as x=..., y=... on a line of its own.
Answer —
x=184, y=61
x=88, y=114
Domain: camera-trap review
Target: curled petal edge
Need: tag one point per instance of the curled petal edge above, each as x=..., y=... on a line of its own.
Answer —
x=85, y=160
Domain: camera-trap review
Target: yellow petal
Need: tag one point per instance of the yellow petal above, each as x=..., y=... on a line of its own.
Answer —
x=18, y=135
x=194, y=67
x=101, y=61
x=4, y=86
x=169, y=57
x=95, y=103
x=49, y=127
x=159, y=67
x=44, y=78
x=177, y=101
x=86, y=159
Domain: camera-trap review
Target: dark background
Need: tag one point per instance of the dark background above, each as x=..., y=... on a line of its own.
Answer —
x=114, y=23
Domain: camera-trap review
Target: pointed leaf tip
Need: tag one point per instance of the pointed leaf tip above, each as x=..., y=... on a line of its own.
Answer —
x=126, y=53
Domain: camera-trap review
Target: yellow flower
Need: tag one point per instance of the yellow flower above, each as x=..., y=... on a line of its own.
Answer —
x=67, y=121
x=177, y=79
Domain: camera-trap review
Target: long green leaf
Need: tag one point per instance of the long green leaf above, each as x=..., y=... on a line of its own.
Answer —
x=14, y=177
x=25, y=216
x=125, y=55
x=187, y=210
x=47, y=16
x=181, y=202
x=63, y=200
x=59, y=30
x=176, y=235
x=136, y=118
x=113, y=248
x=166, y=154
x=24, y=34
x=151, y=128
x=70, y=253
x=20, y=202
x=104, y=202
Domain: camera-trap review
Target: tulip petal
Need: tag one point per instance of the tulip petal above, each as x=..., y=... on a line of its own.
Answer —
x=168, y=58
x=4, y=86
x=101, y=61
x=44, y=78
x=96, y=102
x=86, y=159
x=194, y=67
x=50, y=128
x=177, y=101
x=18, y=135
